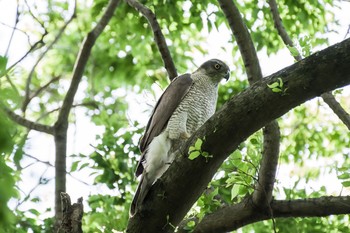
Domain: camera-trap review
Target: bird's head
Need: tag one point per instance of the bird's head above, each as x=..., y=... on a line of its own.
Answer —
x=215, y=69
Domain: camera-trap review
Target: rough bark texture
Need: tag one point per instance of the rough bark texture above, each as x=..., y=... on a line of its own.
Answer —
x=235, y=216
x=174, y=194
x=72, y=215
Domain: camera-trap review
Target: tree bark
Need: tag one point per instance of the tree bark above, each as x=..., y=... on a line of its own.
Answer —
x=172, y=196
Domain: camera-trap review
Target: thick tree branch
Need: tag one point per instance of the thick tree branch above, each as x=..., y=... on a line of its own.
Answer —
x=27, y=123
x=243, y=39
x=169, y=199
x=158, y=37
x=233, y=217
x=27, y=97
x=327, y=97
x=264, y=187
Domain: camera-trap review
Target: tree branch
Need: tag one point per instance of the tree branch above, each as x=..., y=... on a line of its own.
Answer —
x=158, y=37
x=268, y=166
x=327, y=97
x=233, y=217
x=244, y=41
x=280, y=28
x=27, y=123
x=263, y=189
x=13, y=30
x=240, y=117
x=337, y=108
x=61, y=125
x=27, y=97
x=82, y=60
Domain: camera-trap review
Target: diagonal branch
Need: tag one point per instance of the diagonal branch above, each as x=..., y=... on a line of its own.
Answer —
x=13, y=30
x=27, y=123
x=244, y=41
x=36, y=93
x=27, y=97
x=158, y=37
x=337, y=108
x=231, y=218
x=268, y=165
x=280, y=28
x=82, y=60
x=327, y=97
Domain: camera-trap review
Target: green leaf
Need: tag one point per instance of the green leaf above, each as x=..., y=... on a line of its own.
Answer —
x=34, y=211
x=294, y=51
x=74, y=166
x=346, y=183
x=277, y=90
x=193, y=155
x=234, y=191
x=280, y=82
x=344, y=176
x=192, y=148
x=198, y=144
x=3, y=63
x=273, y=85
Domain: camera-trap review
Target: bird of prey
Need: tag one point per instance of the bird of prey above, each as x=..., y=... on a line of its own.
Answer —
x=185, y=105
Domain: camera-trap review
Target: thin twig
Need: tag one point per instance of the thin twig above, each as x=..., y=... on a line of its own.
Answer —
x=17, y=29
x=33, y=16
x=41, y=182
x=347, y=32
x=13, y=30
x=27, y=98
x=158, y=37
x=32, y=48
x=90, y=103
x=51, y=165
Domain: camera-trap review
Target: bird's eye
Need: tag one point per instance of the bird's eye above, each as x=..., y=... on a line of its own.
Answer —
x=217, y=66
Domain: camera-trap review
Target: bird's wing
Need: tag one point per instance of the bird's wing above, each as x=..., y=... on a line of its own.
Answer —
x=162, y=112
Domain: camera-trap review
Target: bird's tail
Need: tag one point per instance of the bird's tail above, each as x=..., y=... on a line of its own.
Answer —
x=141, y=193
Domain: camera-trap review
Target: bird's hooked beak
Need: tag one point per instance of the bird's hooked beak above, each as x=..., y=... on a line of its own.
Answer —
x=227, y=75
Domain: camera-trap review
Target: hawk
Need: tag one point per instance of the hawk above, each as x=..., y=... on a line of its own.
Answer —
x=185, y=105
